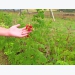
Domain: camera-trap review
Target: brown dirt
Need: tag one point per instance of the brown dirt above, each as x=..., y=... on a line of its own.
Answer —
x=62, y=15
x=3, y=58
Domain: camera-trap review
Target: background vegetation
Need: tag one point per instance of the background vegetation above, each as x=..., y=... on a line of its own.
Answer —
x=51, y=42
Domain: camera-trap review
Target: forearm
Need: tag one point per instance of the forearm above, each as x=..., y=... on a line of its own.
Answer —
x=4, y=31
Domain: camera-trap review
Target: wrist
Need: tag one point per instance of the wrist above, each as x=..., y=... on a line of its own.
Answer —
x=7, y=32
x=4, y=31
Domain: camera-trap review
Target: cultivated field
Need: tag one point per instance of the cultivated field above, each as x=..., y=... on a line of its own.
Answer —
x=51, y=42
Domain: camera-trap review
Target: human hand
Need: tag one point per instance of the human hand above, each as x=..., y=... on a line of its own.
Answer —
x=18, y=32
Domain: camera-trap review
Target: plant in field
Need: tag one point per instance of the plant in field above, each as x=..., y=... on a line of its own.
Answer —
x=39, y=18
x=22, y=16
x=3, y=25
x=21, y=19
x=6, y=18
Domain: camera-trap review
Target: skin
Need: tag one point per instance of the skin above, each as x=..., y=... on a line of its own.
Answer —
x=14, y=31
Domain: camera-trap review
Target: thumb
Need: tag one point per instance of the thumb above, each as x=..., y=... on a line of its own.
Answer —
x=17, y=25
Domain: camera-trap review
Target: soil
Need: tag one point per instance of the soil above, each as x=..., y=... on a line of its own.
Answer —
x=3, y=58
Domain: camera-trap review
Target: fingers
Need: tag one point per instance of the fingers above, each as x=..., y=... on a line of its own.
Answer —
x=24, y=28
x=25, y=31
x=24, y=35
